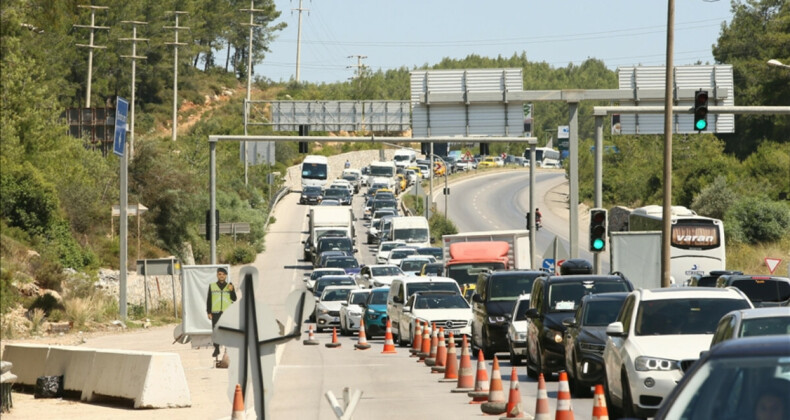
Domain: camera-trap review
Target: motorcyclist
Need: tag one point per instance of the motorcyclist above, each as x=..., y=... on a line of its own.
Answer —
x=538, y=217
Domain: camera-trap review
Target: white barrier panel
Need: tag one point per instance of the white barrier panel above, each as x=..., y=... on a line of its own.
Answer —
x=28, y=360
x=152, y=380
x=74, y=363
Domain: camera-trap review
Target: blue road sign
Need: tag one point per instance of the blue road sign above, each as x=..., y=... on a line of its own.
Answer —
x=548, y=264
x=119, y=139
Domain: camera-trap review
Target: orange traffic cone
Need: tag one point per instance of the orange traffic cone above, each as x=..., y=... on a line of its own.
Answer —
x=496, y=404
x=334, y=342
x=416, y=341
x=599, y=405
x=450, y=362
x=311, y=341
x=238, y=405
x=431, y=359
x=466, y=377
x=542, y=402
x=389, y=345
x=514, y=409
x=362, y=340
x=480, y=393
x=564, y=410
x=441, y=354
x=425, y=348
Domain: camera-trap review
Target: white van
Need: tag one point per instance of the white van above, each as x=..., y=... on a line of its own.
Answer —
x=315, y=171
x=404, y=157
x=414, y=230
x=402, y=288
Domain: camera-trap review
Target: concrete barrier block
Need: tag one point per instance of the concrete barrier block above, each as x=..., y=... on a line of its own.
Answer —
x=151, y=380
x=74, y=363
x=28, y=360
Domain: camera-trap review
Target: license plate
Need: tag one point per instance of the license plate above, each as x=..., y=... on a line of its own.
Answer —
x=455, y=332
x=335, y=319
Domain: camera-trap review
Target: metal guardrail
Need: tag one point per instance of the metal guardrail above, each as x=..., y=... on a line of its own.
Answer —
x=282, y=192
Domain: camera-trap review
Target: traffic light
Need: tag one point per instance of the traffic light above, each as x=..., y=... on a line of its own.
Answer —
x=484, y=149
x=304, y=130
x=208, y=225
x=425, y=148
x=701, y=110
x=597, y=230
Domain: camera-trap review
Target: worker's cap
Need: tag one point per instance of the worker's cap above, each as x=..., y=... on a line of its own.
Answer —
x=222, y=270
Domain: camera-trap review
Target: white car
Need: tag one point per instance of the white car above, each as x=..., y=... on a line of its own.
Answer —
x=412, y=176
x=384, y=249
x=310, y=278
x=344, y=184
x=658, y=334
x=327, y=309
x=351, y=312
x=399, y=253
x=412, y=264
x=517, y=330
x=378, y=275
x=447, y=309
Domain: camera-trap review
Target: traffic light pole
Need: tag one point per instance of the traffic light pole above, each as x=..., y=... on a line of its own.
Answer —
x=598, y=182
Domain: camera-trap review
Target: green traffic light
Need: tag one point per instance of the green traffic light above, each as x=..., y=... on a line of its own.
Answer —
x=598, y=244
x=701, y=124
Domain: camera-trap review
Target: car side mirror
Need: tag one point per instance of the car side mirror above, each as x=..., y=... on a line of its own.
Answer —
x=477, y=298
x=397, y=299
x=532, y=313
x=356, y=250
x=615, y=329
x=569, y=322
x=407, y=309
x=343, y=303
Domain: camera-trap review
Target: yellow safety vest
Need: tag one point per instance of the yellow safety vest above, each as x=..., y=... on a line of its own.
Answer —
x=220, y=298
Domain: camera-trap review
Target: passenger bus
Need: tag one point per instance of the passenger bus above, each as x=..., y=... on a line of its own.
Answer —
x=545, y=157
x=315, y=171
x=696, y=242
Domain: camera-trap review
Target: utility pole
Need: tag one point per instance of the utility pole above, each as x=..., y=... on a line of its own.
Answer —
x=359, y=65
x=252, y=26
x=666, y=262
x=90, y=46
x=134, y=39
x=175, y=45
x=299, y=38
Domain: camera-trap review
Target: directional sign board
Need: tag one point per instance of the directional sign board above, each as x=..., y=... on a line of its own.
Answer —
x=119, y=139
x=548, y=264
x=772, y=263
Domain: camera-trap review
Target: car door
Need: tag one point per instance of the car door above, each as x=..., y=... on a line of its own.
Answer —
x=395, y=304
x=615, y=347
x=533, y=324
x=404, y=330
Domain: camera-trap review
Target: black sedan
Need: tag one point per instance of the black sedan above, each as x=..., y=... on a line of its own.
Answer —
x=340, y=194
x=311, y=195
x=585, y=339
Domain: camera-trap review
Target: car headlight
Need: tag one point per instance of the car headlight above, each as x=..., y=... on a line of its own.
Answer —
x=354, y=313
x=645, y=363
x=323, y=311
x=496, y=319
x=522, y=336
x=554, y=335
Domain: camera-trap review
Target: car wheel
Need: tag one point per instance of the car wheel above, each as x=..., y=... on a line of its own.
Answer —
x=614, y=411
x=628, y=403
x=343, y=330
x=514, y=360
x=578, y=388
x=401, y=342
x=532, y=373
x=319, y=329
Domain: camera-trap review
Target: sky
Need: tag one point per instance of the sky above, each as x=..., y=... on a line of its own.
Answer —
x=411, y=33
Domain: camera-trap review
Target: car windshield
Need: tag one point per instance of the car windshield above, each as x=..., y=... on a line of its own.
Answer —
x=600, y=313
x=341, y=244
x=386, y=271
x=734, y=388
x=683, y=316
x=335, y=295
x=315, y=275
x=761, y=289
x=401, y=253
x=342, y=262
x=521, y=310
x=412, y=265
x=381, y=204
x=311, y=190
x=467, y=273
x=412, y=235
x=349, y=177
x=440, y=301
x=566, y=297
x=434, y=252
x=389, y=246
x=321, y=284
x=779, y=325
x=378, y=298
x=357, y=298
x=431, y=286
x=434, y=270
x=335, y=193
x=510, y=286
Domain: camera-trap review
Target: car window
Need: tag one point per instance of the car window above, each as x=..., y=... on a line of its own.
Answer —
x=567, y=296
x=761, y=289
x=521, y=310
x=342, y=262
x=412, y=265
x=335, y=295
x=779, y=325
x=626, y=312
x=358, y=298
x=386, y=271
x=683, y=316
x=601, y=313
x=440, y=302
x=509, y=287
x=400, y=253
x=725, y=329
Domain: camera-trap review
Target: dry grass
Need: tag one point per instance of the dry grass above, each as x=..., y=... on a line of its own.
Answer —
x=79, y=311
x=751, y=258
x=36, y=319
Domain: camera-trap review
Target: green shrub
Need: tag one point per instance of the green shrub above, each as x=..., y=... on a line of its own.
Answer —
x=48, y=274
x=414, y=203
x=756, y=220
x=9, y=296
x=240, y=254
x=715, y=199
x=441, y=226
x=46, y=303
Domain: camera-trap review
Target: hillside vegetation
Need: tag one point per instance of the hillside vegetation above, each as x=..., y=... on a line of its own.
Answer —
x=56, y=191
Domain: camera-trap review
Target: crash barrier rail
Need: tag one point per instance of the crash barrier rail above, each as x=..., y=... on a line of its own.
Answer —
x=148, y=379
x=282, y=192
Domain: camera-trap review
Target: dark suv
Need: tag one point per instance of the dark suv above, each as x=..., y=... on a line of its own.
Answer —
x=553, y=299
x=334, y=243
x=496, y=293
x=761, y=290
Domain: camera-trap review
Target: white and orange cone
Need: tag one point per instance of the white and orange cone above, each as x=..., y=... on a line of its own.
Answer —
x=238, y=404
x=416, y=341
x=480, y=393
x=389, y=344
x=564, y=409
x=542, y=401
x=431, y=359
x=334, y=342
x=514, y=408
x=466, y=375
x=600, y=412
x=451, y=362
x=362, y=340
x=425, y=348
x=441, y=354
x=496, y=404
x=311, y=341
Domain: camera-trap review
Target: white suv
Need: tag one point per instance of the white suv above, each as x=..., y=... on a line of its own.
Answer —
x=658, y=334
